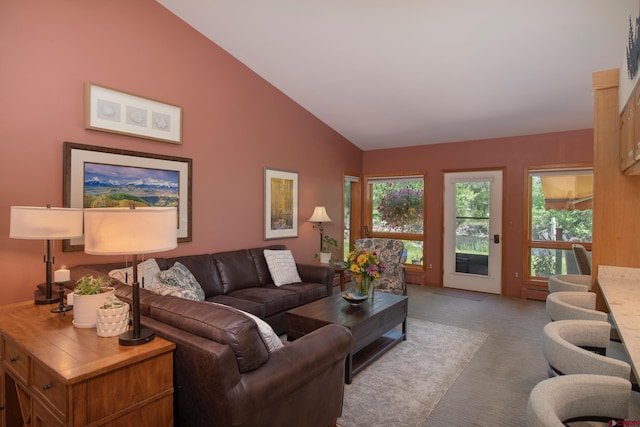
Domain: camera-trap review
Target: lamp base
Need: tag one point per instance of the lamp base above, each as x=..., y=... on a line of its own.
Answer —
x=40, y=295
x=62, y=309
x=41, y=299
x=128, y=338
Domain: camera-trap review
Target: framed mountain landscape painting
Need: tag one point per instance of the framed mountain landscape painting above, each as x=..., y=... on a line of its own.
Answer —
x=105, y=177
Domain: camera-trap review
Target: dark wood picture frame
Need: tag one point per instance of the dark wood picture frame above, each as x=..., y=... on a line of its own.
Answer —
x=77, y=157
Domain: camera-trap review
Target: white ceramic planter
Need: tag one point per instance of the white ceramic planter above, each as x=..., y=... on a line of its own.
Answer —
x=85, y=308
x=325, y=257
x=113, y=321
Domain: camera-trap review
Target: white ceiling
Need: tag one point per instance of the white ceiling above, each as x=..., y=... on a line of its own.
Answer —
x=392, y=73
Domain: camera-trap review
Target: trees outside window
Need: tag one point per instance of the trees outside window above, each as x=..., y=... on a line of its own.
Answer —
x=560, y=214
x=395, y=210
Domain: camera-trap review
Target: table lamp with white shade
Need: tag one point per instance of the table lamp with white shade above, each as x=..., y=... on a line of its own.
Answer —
x=45, y=223
x=319, y=216
x=131, y=231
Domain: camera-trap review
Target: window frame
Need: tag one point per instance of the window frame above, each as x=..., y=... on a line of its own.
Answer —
x=529, y=243
x=367, y=213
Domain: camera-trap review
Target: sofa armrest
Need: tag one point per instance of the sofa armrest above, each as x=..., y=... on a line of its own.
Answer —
x=208, y=385
x=294, y=377
x=203, y=372
x=315, y=273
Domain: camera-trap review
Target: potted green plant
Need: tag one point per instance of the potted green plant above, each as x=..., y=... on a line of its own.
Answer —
x=328, y=249
x=90, y=294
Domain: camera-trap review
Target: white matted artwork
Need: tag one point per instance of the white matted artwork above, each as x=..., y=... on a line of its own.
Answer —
x=106, y=177
x=280, y=204
x=118, y=112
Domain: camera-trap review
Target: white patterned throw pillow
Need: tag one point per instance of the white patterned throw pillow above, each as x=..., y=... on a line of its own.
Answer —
x=271, y=340
x=180, y=282
x=147, y=270
x=282, y=266
x=268, y=335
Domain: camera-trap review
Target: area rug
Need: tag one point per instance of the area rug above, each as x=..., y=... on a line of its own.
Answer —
x=405, y=384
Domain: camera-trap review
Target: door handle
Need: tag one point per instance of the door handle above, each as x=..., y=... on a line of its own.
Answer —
x=496, y=238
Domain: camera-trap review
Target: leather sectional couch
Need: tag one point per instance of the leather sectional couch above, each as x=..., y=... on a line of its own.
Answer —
x=224, y=374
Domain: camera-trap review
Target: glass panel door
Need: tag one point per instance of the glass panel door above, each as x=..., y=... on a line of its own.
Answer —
x=473, y=229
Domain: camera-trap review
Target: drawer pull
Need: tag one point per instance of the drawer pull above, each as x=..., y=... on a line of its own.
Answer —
x=46, y=387
x=13, y=359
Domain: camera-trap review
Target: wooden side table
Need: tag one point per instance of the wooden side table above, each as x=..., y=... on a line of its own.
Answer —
x=340, y=271
x=53, y=374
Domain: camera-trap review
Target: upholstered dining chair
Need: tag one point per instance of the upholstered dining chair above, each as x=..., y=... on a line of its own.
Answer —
x=569, y=305
x=583, y=347
x=389, y=251
x=555, y=402
x=570, y=282
x=582, y=259
x=573, y=306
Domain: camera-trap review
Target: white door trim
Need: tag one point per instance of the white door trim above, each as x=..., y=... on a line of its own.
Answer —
x=492, y=281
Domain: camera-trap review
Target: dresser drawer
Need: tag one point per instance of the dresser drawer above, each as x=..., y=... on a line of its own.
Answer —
x=16, y=359
x=51, y=389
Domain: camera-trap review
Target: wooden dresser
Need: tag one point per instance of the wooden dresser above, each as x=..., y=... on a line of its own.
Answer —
x=53, y=374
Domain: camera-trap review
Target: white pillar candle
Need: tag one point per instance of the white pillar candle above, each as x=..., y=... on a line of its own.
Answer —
x=61, y=275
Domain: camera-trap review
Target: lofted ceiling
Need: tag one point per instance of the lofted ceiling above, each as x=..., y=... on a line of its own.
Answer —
x=389, y=73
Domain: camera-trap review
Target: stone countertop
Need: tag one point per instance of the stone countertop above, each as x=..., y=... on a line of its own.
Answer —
x=621, y=291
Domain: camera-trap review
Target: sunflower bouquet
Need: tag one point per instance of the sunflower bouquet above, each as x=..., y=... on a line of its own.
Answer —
x=365, y=263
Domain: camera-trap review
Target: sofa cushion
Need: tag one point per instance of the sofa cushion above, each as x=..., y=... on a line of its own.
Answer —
x=215, y=322
x=237, y=270
x=178, y=281
x=203, y=269
x=282, y=267
x=306, y=292
x=274, y=299
x=261, y=264
x=252, y=307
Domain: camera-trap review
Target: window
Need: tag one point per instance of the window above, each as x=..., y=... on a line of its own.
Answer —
x=351, y=212
x=560, y=214
x=395, y=210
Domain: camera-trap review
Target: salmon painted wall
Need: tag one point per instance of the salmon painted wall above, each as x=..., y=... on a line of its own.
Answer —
x=234, y=125
x=513, y=154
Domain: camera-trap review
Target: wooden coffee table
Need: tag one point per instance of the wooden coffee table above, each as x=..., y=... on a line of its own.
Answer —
x=372, y=324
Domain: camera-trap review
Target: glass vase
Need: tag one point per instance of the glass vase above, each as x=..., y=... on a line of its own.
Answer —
x=364, y=285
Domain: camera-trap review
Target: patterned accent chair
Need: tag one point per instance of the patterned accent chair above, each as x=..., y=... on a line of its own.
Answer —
x=389, y=251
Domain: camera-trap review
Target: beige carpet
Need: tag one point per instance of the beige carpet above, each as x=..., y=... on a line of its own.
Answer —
x=405, y=385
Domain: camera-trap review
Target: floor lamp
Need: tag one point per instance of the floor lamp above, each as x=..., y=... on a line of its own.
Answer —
x=45, y=223
x=131, y=231
x=320, y=215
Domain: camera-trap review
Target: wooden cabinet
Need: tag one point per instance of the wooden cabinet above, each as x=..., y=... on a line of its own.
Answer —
x=616, y=230
x=627, y=137
x=53, y=374
x=630, y=135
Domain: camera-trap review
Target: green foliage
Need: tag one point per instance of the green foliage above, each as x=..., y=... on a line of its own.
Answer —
x=89, y=285
x=472, y=217
x=543, y=263
x=575, y=224
x=472, y=199
x=399, y=206
x=329, y=244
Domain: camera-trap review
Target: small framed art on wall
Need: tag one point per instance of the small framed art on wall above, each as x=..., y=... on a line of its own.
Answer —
x=112, y=111
x=280, y=204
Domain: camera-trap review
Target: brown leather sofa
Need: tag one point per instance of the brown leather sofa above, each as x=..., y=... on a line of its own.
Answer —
x=224, y=375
